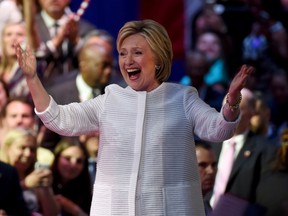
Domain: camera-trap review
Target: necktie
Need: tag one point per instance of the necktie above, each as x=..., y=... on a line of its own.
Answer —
x=55, y=28
x=224, y=170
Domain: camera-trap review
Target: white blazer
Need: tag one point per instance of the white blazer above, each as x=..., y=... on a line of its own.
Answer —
x=146, y=161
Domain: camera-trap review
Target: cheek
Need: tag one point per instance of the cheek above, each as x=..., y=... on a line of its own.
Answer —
x=14, y=155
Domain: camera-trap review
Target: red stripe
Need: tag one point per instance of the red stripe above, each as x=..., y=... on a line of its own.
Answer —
x=170, y=14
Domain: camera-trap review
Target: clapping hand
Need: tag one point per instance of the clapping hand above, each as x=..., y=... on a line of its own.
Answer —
x=26, y=60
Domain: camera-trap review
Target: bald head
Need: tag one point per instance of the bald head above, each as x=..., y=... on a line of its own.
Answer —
x=95, y=64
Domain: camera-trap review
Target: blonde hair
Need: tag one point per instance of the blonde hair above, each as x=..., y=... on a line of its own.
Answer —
x=6, y=63
x=11, y=137
x=157, y=38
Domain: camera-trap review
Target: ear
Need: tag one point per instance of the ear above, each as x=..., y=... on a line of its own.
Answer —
x=82, y=65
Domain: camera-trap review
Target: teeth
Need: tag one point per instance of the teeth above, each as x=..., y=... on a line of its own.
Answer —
x=132, y=70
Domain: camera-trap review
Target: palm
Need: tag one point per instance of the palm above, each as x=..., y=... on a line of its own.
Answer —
x=26, y=60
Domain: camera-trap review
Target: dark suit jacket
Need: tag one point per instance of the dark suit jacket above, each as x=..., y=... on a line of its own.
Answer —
x=55, y=64
x=11, y=195
x=66, y=92
x=248, y=166
x=272, y=192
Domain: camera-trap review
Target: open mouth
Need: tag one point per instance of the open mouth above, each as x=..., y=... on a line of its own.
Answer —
x=133, y=72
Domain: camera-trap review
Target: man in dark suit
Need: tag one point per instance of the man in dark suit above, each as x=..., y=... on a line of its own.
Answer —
x=95, y=68
x=61, y=37
x=251, y=152
x=11, y=197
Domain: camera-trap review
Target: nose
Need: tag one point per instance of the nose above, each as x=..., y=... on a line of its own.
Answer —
x=73, y=161
x=129, y=59
x=19, y=121
x=210, y=169
x=27, y=152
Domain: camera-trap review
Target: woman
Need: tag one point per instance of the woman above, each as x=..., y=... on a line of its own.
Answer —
x=10, y=71
x=19, y=150
x=4, y=94
x=71, y=180
x=146, y=160
x=17, y=11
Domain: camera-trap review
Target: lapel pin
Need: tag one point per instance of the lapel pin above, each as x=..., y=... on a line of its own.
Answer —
x=247, y=153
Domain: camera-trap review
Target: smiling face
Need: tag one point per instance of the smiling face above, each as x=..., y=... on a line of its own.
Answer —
x=137, y=63
x=22, y=152
x=71, y=163
x=12, y=33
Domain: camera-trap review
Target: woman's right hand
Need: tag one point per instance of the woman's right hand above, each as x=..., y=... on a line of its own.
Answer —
x=26, y=60
x=38, y=178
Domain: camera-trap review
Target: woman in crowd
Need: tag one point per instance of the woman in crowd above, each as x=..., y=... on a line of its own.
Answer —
x=146, y=160
x=10, y=71
x=19, y=150
x=71, y=180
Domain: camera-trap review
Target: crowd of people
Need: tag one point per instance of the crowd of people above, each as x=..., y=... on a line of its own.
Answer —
x=84, y=133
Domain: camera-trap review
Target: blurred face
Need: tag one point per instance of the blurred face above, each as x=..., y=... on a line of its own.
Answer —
x=207, y=168
x=71, y=163
x=22, y=153
x=100, y=42
x=259, y=122
x=13, y=33
x=284, y=3
x=137, y=63
x=197, y=67
x=55, y=8
x=99, y=66
x=279, y=89
x=3, y=96
x=209, y=44
x=246, y=113
x=19, y=114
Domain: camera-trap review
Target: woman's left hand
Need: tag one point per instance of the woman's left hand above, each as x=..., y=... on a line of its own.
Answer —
x=239, y=81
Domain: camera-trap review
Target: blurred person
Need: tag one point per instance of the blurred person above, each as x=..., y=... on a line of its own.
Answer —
x=137, y=171
x=71, y=180
x=15, y=11
x=272, y=192
x=91, y=144
x=207, y=166
x=4, y=94
x=260, y=121
x=61, y=38
x=19, y=150
x=102, y=37
x=10, y=71
x=18, y=112
x=240, y=164
x=278, y=102
x=11, y=196
x=95, y=68
x=210, y=43
x=197, y=66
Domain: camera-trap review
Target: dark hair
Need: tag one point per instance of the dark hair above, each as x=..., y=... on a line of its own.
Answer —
x=79, y=189
x=21, y=99
x=203, y=144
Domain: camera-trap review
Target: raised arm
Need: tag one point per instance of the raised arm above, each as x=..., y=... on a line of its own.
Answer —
x=27, y=62
x=231, y=105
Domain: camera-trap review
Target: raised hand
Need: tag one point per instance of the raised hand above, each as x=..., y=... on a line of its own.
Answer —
x=240, y=79
x=26, y=60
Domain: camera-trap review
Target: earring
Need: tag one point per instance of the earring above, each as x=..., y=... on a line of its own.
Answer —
x=157, y=67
